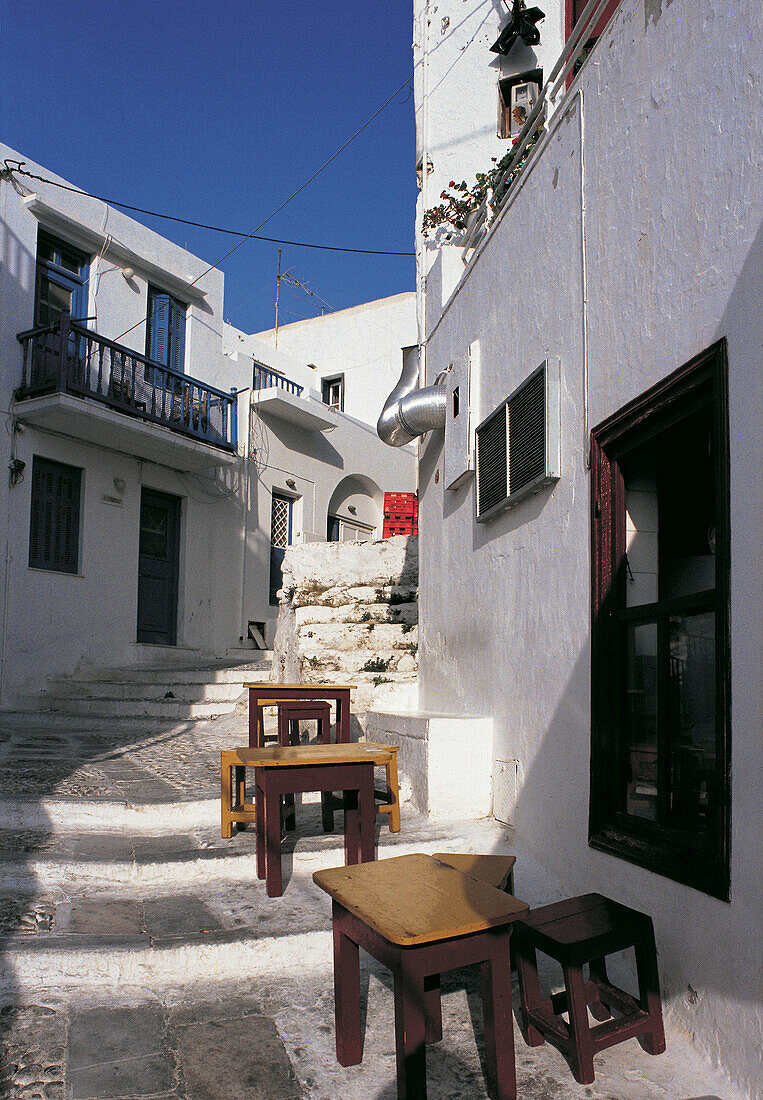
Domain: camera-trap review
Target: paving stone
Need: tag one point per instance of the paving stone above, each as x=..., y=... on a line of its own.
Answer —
x=108, y=917
x=100, y=846
x=152, y=849
x=236, y=1057
x=119, y=1052
x=178, y=916
x=32, y=1052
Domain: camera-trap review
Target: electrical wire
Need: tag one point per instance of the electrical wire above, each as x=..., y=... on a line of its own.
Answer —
x=12, y=166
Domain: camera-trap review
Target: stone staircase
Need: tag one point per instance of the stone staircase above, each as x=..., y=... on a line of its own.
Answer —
x=190, y=689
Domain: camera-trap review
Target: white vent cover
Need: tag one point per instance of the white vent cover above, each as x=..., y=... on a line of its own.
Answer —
x=505, y=790
x=518, y=444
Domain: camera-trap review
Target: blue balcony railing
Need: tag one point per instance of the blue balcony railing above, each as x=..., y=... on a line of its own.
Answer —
x=264, y=378
x=66, y=357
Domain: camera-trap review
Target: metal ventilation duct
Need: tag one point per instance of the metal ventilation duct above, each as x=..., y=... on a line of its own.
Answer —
x=410, y=412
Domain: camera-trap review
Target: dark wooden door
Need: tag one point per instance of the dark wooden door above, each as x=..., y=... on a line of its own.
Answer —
x=158, y=557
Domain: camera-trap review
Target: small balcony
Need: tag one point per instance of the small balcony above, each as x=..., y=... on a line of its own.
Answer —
x=74, y=380
x=276, y=395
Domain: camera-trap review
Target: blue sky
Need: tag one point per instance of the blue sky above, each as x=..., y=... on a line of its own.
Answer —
x=216, y=112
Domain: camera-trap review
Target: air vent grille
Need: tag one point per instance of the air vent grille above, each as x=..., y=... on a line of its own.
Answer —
x=492, y=474
x=527, y=433
x=518, y=444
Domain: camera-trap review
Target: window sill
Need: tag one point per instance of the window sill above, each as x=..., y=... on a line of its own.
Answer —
x=677, y=861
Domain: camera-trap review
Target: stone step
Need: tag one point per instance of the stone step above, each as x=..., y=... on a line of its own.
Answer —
x=177, y=914
x=347, y=637
x=183, y=691
x=164, y=709
x=221, y=673
x=359, y=613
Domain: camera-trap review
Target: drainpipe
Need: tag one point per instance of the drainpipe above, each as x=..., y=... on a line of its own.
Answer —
x=410, y=412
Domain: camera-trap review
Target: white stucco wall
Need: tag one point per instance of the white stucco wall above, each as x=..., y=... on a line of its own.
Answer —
x=363, y=343
x=632, y=244
x=52, y=622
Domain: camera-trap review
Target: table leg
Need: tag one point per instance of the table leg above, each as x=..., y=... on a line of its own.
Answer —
x=273, y=879
x=410, y=1030
x=259, y=823
x=433, y=1008
x=343, y=718
x=226, y=825
x=367, y=807
x=499, y=1022
x=653, y=1041
x=352, y=834
x=349, y=1042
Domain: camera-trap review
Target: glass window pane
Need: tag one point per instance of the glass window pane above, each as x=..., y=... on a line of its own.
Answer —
x=641, y=720
x=153, y=531
x=687, y=506
x=692, y=719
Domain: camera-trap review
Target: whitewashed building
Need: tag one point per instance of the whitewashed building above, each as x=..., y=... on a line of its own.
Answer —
x=156, y=471
x=590, y=516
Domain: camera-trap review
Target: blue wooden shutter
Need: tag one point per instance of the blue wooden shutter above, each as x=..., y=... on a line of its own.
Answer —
x=158, y=326
x=177, y=336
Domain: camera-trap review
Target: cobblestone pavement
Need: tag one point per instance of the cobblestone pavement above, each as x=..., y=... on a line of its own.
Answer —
x=144, y=960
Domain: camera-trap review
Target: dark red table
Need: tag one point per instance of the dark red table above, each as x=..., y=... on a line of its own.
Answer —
x=261, y=695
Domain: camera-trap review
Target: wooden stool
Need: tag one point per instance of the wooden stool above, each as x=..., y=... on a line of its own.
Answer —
x=578, y=931
x=420, y=917
x=497, y=871
x=290, y=713
x=293, y=711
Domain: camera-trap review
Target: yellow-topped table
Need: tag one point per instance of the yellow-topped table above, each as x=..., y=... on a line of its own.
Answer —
x=420, y=917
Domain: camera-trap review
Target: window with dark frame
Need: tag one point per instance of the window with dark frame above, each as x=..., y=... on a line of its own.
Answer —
x=332, y=391
x=660, y=752
x=61, y=280
x=55, y=516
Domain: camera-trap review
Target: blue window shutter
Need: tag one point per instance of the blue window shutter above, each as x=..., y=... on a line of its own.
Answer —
x=158, y=327
x=177, y=336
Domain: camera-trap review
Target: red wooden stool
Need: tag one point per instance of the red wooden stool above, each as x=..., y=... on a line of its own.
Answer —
x=290, y=713
x=578, y=931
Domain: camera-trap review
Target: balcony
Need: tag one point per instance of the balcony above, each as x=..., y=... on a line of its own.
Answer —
x=78, y=382
x=278, y=396
x=265, y=379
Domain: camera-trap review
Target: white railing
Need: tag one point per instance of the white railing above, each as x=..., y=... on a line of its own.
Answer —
x=527, y=142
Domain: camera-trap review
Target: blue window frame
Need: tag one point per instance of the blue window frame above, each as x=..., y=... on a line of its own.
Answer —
x=61, y=282
x=165, y=330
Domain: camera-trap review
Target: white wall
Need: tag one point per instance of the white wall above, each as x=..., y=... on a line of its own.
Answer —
x=52, y=622
x=364, y=343
x=632, y=244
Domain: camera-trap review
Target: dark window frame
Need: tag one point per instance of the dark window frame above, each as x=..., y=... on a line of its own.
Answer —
x=700, y=861
x=59, y=510
x=54, y=269
x=326, y=383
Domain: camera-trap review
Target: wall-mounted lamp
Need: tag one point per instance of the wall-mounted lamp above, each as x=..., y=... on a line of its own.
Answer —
x=120, y=484
x=128, y=273
x=291, y=483
x=352, y=508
